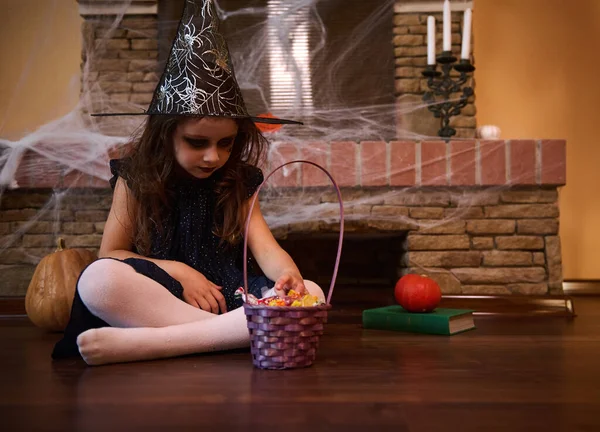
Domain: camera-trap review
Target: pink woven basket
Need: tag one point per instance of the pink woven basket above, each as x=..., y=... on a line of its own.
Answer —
x=286, y=337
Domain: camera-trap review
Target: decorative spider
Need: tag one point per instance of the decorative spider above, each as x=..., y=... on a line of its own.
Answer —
x=217, y=45
x=165, y=97
x=219, y=49
x=184, y=52
x=190, y=95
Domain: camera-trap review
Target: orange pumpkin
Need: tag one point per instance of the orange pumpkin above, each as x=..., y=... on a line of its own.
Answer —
x=50, y=293
x=417, y=293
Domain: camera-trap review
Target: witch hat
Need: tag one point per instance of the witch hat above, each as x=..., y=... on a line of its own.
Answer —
x=198, y=79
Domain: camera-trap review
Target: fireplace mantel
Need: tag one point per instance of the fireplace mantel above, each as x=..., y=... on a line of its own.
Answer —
x=371, y=164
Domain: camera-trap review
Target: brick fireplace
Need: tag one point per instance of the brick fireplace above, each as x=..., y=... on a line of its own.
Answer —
x=481, y=217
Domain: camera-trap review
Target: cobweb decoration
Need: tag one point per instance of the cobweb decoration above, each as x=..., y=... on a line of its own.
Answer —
x=80, y=145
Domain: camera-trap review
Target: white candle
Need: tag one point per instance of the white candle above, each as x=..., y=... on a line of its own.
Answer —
x=430, y=40
x=466, y=39
x=447, y=26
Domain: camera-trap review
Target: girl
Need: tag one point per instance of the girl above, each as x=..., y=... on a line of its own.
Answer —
x=170, y=258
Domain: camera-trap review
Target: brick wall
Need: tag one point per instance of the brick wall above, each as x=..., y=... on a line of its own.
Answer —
x=121, y=63
x=494, y=163
x=488, y=224
x=410, y=42
x=31, y=220
x=471, y=240
x=425, y=163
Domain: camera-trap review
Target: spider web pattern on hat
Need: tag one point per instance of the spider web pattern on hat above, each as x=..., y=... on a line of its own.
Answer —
x=199, y=78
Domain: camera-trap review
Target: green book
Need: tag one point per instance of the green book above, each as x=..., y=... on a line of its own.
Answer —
x=441, y=321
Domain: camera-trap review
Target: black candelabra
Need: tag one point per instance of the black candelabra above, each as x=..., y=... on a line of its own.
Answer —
x=441, y=84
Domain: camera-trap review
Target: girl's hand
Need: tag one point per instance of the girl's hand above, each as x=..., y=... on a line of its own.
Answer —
x=200, y=292
x=288, y=281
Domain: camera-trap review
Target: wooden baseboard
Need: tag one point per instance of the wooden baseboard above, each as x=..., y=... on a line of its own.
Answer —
x=358, y=298
x=12, y=306
x=521, y=305
x=581, y=287
x=550, y=305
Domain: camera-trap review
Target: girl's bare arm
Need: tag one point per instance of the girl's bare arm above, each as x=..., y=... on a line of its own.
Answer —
x=272, y=259
x=116, y=240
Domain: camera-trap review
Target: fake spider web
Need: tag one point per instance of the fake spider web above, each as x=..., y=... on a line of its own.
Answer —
x=80, y=143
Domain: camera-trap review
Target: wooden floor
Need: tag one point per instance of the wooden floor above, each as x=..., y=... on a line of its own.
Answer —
x=510, y=374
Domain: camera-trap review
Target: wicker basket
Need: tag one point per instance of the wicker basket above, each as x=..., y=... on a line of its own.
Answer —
x=285, y=337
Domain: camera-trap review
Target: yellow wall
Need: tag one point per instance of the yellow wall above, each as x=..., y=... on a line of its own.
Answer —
x=537, y=62
x=537, y=77
x=40, y=50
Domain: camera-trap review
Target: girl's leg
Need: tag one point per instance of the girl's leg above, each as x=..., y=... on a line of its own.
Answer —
x=116, y=293
x=219, y=332
x=115, y=345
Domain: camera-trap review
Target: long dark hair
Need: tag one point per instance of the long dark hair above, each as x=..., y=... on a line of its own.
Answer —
x=151, y=168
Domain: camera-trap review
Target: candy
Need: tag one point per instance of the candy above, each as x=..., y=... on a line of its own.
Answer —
x=239, y=293
x=276, y=302
x=292, y=298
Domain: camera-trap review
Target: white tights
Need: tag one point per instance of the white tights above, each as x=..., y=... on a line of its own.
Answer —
x=148, y=321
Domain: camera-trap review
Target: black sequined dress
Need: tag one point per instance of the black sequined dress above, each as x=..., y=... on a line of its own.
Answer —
x=190, y=240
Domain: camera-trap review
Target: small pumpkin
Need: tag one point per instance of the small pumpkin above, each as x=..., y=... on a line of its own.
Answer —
x=417, y=293
x=52, y=288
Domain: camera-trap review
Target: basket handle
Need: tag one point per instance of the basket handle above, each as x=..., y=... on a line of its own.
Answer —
x=339, y=250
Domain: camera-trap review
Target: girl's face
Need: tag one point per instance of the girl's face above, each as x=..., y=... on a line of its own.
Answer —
x=202, y=146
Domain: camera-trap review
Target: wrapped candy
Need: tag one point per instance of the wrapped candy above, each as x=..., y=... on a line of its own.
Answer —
x=291, y=299
x=239, y=293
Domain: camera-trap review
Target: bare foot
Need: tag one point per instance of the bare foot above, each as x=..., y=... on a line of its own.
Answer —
x=89, y=347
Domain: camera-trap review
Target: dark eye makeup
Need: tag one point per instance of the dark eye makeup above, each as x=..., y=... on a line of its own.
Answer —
x=196, y=143
x=201, y=142
x=227, y=142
